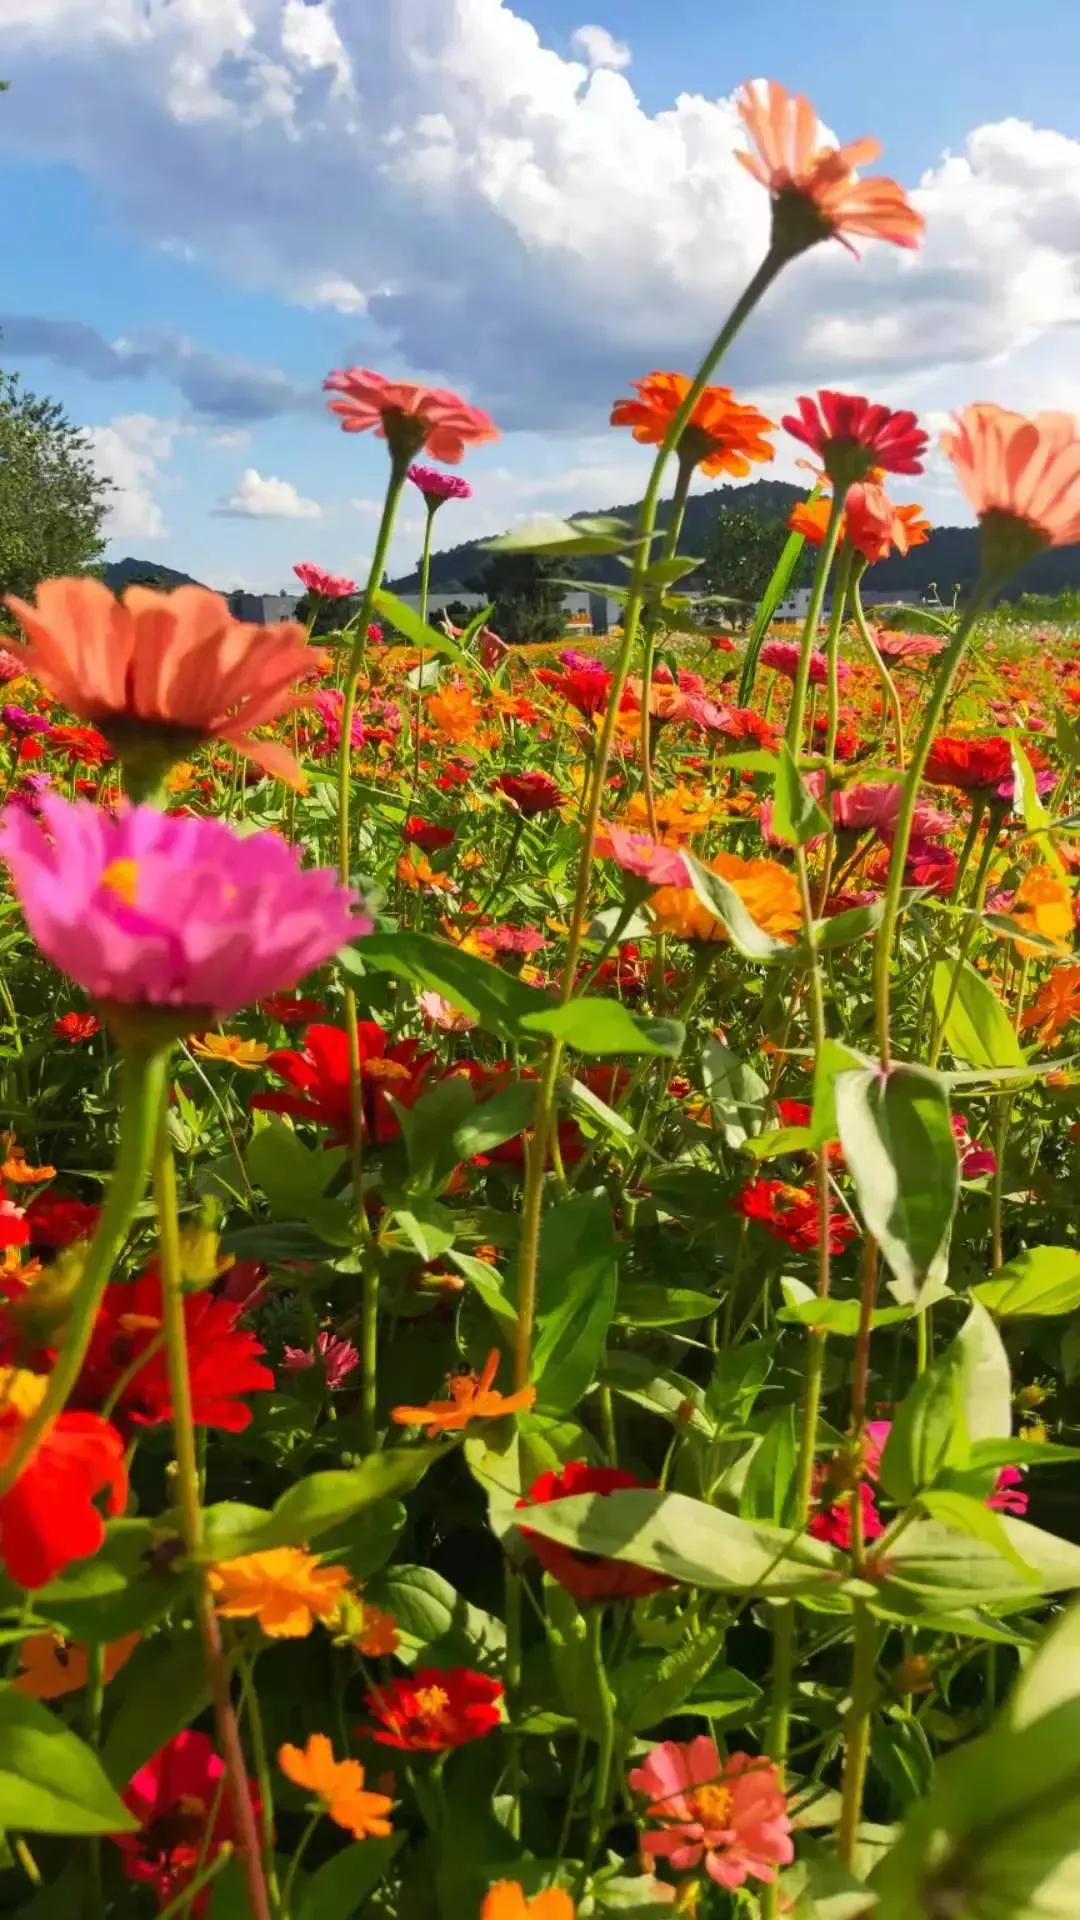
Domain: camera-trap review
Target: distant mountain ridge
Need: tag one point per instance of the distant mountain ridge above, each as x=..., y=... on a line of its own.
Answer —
x=119, y=574
x=949, y=559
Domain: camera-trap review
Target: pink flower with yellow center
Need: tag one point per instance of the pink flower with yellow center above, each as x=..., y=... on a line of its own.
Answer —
x=731, y=1814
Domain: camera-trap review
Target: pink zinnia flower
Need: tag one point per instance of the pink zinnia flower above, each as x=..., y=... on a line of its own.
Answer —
x=328, y=704
x=407, y=415
x=783, y=657
x=850, y=435
x=874, y=807
x=329, y=586
x=150, y=909
x=437, y=487
x=907, y=646
x=1006, y=1497
x=730, y=1814
x=338, y=1358
x=11, y=667
x=645, y=858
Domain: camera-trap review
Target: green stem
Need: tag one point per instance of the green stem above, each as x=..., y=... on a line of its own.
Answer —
x=888, y=684
x=857, y=1732
x=605, y=1746
x=648, y=657
x=832, y=653
x=302, y=1846
x=143, y=1086
x=797, y=710
x=398, y=469
x=260, y=1761
x=967, y=933
x=201, y=1881
x=425, y=574
x=509, y=857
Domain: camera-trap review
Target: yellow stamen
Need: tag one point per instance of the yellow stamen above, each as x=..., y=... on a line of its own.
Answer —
x=711, y=1805
x=122, y=878
x=21, y=1391
x=432, y=1702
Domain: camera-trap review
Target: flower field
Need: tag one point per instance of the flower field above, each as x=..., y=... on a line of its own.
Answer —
x=539, y=1256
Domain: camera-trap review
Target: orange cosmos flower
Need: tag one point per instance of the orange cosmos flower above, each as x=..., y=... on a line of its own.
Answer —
x=175, y=666
x=768, y=891
x=416, y=871
x=811, y=519
x=506, y=1901
x=338, y=1785
x=471, y=1398
x=230, y=1048
x=16, y=1169
x=1056, y=1004
x=1022, y=476
x=52, y=1666
x=815, y=191
x=1043, y=904
x=378, y=1633
x=284, y=1589
x=876, y=526
x=722, y=436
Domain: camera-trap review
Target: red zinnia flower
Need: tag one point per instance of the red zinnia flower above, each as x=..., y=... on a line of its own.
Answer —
x=74, y=1027
x=532, y=793
x=84, y=744
x=740, y=724
x=185, y=1817
x=972, y=765
x=586, y=688
x=588, y=1576
x=224, y=1360
x=14, y=1231
x=58, y=1219
x=851, y=436
x=427, y=835
x=320, y=1079
x=291, y=1012
x=790, y=1214
x=49, y=1517
x=435, y=1709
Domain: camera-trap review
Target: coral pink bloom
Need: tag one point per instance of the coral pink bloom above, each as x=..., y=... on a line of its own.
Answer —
x=874, y=807
x=147, y=908
x=907, y=646
x=437, y=487
x=876, y=526
x=732, y=1814
x=646, y=859
x=407, y=415
x=175, y=665
x=852, y=435
x=329, y=586
x=816, y=193
x=1022, y=476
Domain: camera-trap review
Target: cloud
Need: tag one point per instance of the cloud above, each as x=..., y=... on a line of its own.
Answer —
x=536, y=244
x=216, y=386
x=599, y=48
x=129, y=453
x=262, y=497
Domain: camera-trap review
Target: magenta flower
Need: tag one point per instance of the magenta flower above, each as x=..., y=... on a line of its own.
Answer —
x=732, y=1814
x=11, y=667
x=22, y=722
x=783, y=657
x=153, y=910
x=328, y=704
x=852, y=436
x=874, y=807
x=330, y=586
x=338, y=1358
x=437, y=487
x=1007, y=1497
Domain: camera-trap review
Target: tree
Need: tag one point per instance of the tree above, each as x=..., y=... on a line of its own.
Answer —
x=52, y=501
x=740, y=557
x=528, y=605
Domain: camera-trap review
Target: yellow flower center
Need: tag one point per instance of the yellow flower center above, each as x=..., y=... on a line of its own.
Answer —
x=122, y=878
x=388, y=1070
x=432, y=1702
x=20, y=1391
x=711, y=1805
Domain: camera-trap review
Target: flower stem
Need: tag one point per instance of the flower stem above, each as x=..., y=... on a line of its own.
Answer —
x=356, y=660
x=857, y=1732
x=797, y=710
x=963, y=945
x=605, y=1746
x=648, y=658
x=302, y=1846
x=425, y=575
x=888, y=684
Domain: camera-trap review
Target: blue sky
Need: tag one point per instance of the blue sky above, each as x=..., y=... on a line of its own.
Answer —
x=206, y=204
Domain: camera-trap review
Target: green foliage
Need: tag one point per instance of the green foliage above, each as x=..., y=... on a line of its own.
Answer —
x=526, y=598
x=52, y=501
x=741, y=556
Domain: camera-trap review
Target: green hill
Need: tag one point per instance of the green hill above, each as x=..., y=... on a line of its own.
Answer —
x=119, y=574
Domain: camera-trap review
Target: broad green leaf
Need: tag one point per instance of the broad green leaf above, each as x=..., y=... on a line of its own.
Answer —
x=605, y=1027
x=50, y=1782
x=649, y=1687
x=165, y=1688
x=649, y=1303
x=797, y=817
x=123, y=1588
x=987, y=1382
x=720, y=899
x=295, y=1179
x=340, y=1886
x=494, y=998
x=1040, y=1281
x=840, y=929
x=575, y=1298
x=581, y=1688
x=978, y=1029
x=428, y=1129
x=545, y=534
x=974, y=1517
x=929, y=1430
x=899, y=1145
x=934, y=1568
x=317, y=1504
x=397, y=613
x=805, y=1309
x=833, y=1059
x=429, y=1228
x=438, y=1625
x=656, y=1389
x=780, y=1141
x=491, y=1122
x=735, y=1091
x=769, y=1485
x=488, y=1283
x=1035, y=816
x=594, y=1113
x=664, y=573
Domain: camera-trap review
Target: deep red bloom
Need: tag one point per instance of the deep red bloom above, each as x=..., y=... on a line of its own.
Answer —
x=851, y=436
x=74, y=1027
x=83, y=744
x=49, y=1517
x=174, y=1798
x=586, y=688
x=972, y=765
x=58, y=1219
x=741, y=725
x=790, y=1214
x=14, y=1229
x=427, y=835
x=435, y=1709
x=588, y=1576
x=291, y=1012
x=224, y=1360
x=319, y=1077
x=532, y=793
x=830, y=1518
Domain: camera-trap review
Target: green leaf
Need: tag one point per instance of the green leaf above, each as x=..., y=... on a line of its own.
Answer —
x=899, y=1145
x=805, y=1309
x=770, y=1478
x=987, y=1382
x=165, y=1688
x=841, y=929
x=797, y=817
x=121, y=1589
x=488, y=1283
x=1035, y=817
x=650, y=1687
x=339, y=1887
x=429, y=1228
x=295, y=1179
x=736, y=1093
x=317, y=1504
x=649, y=1303
x=929, y=1430
x=50, y=1782
x=581, y=1687
x=438, y=1624
x=494, y=998
x=597, y=533
x=604, y=1027
x=720, y=899
x=972, y=1516
x=493, y=1121
x=575, y=1298
x=1038, y=1282
x=664, y=573
x=790, y=555
x=978, y=1029
x=591, y=1109
x=428, y=1130
x=408, y=622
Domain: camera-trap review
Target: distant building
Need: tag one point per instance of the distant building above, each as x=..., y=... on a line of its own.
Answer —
x=592, y=612
x=265, y=609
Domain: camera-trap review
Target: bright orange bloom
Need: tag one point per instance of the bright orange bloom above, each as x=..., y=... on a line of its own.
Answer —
x=1043, y=904
x=678, y=813
x=722, y=436
x=15, y=1168
x=230, y=1048
x=416, y=871
x=175, y=665
x=378, y=1633
x=876, y=526
x=506, y=1901
x=917, y=528
x=339, y=1784
x=456, y=713
x=52, y=1666
x=768, y=891
x=471, y=1398
x=816, y=193
x=1022, y=476
x=284, y=1589
x=811, y=519
x=1056, y=1004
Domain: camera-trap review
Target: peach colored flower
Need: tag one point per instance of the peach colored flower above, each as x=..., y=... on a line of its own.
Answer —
x=816, y=192
x=407, y=415
x=1022, y=476
x=732, y=1814
x=339, y=1787
x=174, y=664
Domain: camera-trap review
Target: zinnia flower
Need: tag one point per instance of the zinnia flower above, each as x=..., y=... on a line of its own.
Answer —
x=875, y=526
x=174, y=667
x=791, y=1214
x=506, y=1901
x=437, y=487
x=588, y=1576
x=850, y=435
x=49, y=1517
x=427, y=835
x=811, y=519
x=59, y=1219
x=322, y=1091
x=731, y=1814
x=768, y=891
x=975, y=766
x=408, y=416
x=1042, y=904
x=1055, y=1006
x=471, y=1398
x=645, y=858
x=815, y=190
x=285, y=1589
x=145, y=909
x=907, y=646
x=338, y=1785
x=225, y=1361
x=721, y=436
x=185, y=1816
x=435, y=1709
x=74, y=1027
x=1022, y=476
x=328, y=586
x=337, y=1358
x=531, y=793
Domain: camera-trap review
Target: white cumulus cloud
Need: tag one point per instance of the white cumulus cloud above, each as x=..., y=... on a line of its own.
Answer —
x=263, y=497
x=129, y=453
x=599, y=48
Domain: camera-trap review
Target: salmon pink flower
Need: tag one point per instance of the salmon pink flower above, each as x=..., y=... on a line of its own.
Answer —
x=408, y=416
x=150, y=910
x=721, y=436
x=876, y=527
x=645, y=858
x=435, y=1709
x=851, y=435
x=588, y=1576
x=1022, y=476
x=731, y=1814
x=49, y=1517
x=328, y=586
x=907, y=646
x=816, y=193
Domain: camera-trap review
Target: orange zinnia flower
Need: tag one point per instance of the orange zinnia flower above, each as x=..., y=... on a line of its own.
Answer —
x=1022, y=476
x=1043, y=904
x=768, y=891
x=811, y=519
x=339, y=1785
x=1056, y=1004
x=52, y=1666
x=816, y=193
x=722, y=435
x=174, y=666
x=506, y=1901
x=284, y=1589
x=876, y=526
x=378, y=1633
x=471, y=1398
